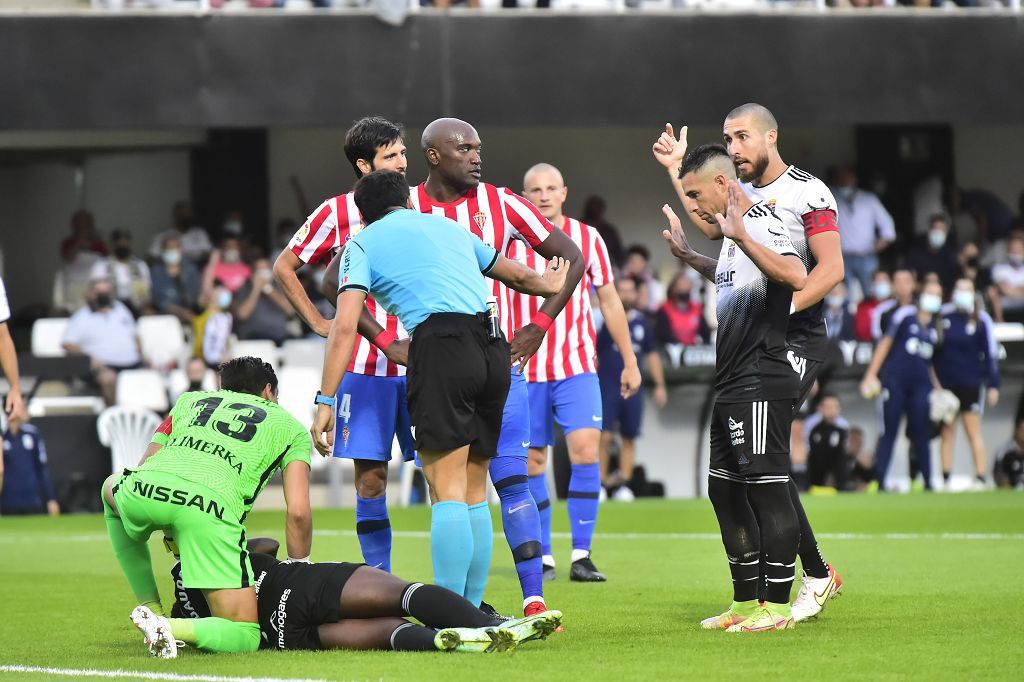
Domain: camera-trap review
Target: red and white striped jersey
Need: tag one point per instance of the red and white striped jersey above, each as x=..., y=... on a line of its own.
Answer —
x=569, y=347
x=499, y=217
x=327, y=229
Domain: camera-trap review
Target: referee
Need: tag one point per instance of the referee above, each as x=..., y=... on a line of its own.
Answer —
x=429, y=271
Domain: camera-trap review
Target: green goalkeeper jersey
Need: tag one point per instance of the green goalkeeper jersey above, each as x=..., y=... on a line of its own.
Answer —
x=230, y=442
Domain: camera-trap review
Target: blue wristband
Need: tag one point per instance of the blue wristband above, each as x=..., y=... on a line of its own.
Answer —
x=322, y=399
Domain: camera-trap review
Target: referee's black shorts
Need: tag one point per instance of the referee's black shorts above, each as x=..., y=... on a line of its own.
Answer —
x=457, y=382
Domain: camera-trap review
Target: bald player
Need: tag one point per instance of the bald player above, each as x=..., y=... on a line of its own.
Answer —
x=808, y=210
x=499, y=217
x=562, y=376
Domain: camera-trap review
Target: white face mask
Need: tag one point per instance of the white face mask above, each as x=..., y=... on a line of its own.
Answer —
x=930, y=303
x=233, y=227
x=265, y=273
x=231, y=256
x=964, y=300
x=1015, y=260
x=224, y=300
x=172, y=257
x=883, y=290
x=937, y=238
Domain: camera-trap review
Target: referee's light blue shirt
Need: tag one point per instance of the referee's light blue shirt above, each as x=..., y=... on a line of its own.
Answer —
x=416, y=264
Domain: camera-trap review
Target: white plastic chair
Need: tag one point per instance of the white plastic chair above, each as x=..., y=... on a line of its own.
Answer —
x=303, y=353
x=127, y=431
x=177, y=382
x=162, y=339
x=47, y=337
x=142, y=388
x=264, y=350
x=296, y=387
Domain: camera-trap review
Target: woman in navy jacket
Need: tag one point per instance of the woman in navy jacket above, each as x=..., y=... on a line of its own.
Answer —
x=967, y=364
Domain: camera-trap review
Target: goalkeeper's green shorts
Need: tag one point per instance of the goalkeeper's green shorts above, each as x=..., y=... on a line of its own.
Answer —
x=211, y=541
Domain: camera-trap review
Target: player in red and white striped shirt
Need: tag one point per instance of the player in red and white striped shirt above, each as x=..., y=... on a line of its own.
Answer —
x=499, y=217
x=562, y=374
x=371, y=404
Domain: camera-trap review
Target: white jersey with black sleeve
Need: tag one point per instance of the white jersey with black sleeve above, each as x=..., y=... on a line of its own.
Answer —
x=752, y=361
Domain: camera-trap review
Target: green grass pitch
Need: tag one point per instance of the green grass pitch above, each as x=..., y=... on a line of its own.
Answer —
x=933, y=585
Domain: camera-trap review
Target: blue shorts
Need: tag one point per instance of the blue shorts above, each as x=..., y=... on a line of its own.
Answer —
x=515, y=420
x=369, y=412
x=624, y=414
x=575, y=403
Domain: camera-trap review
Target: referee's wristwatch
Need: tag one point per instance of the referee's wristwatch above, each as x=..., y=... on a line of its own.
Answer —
x=322, y=399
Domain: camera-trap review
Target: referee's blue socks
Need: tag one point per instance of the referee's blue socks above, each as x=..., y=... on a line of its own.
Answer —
x=521, y=521
x=374, y=531
x=483, y=547
x=451, y=545
x=539, y=490
x=584, y=492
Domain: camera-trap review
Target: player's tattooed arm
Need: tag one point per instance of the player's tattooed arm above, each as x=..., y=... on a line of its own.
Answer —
x=682, y=250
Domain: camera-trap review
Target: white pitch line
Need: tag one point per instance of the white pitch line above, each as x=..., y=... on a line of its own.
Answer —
x=131, y=674
x=12, y=538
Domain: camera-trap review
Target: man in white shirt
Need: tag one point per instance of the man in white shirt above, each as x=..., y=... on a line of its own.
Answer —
x=104, y=329
x=868, y=229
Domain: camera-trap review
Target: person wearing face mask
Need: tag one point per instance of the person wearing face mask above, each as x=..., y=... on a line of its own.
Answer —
x=211, y=328
x=226, y=266
x=902, y=374
x=193, y=239
x=104, y=329
x=939, y=256
x=881, y=291
x=129, y=274
x=1009, y=280
x=261, y=310
x=175, y=282
x=868, y=229
x=680, y=319
x=967, y=365
x=836, y=311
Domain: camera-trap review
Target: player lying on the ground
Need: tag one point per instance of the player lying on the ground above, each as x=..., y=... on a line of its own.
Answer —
x=354, y=606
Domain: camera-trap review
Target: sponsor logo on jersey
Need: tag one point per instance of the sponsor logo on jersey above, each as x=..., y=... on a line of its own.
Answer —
x=209, y=448
x=279, y=617
x=724, y=278
x=179, y=498
x=798, y=364
x=737, y=436
x=480, y=218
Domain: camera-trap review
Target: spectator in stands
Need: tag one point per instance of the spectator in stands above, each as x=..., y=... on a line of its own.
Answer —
x=904, y=286
x=993, y=216
x=128, y=274
x=838, y=318
x=260, y=310
x=79, y=253
x=13, y=405
x=593, y=215
x=638, y=265
x=967, y=364
x=26, y=484
x=625, y=414
x=881, y=290
x=868, y=229
x=963, y=225
x=176, y=282
x=83, y=238
x=939, y=257
x=234, y=225
x=211, y=329
x=827, y=432
x=1009, y=466
x=862, y=463
x=680, y=319
x=104, y=329
x=193, y=240
x=226, y=266
x=1008, y=278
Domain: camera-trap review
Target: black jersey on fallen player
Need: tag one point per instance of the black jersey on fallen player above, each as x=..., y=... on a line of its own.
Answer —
x=753, y=315
x=292, y=599
x=806, y=207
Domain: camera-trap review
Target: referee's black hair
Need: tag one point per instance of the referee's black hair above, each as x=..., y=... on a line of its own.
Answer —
x=702, y=155
x=380, y=191
x=247, y=375
x=366, y=136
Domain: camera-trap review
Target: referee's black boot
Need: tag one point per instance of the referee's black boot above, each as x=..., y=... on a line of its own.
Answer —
x=584, y=571
x=493, y=612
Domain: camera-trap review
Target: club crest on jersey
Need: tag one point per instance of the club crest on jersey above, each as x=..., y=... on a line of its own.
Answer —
x=771, y=205
x=480, y=218
x=731, y=251
x=300, y=236
x=344, y=436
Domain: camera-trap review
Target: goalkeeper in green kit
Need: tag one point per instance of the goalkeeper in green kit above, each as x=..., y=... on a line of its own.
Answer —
x=198, y=479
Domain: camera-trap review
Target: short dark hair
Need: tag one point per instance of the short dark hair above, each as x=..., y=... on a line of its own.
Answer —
x=379, y=191
x=700, y=156
x=640, y=250
x=366, y=136
x=247, y=375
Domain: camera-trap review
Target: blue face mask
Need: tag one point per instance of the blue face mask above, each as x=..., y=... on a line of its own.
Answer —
x=930, y=303
x=846, y=193
x=883, y=290
x=224, y=300
x=172, y=257
x=964, y=300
